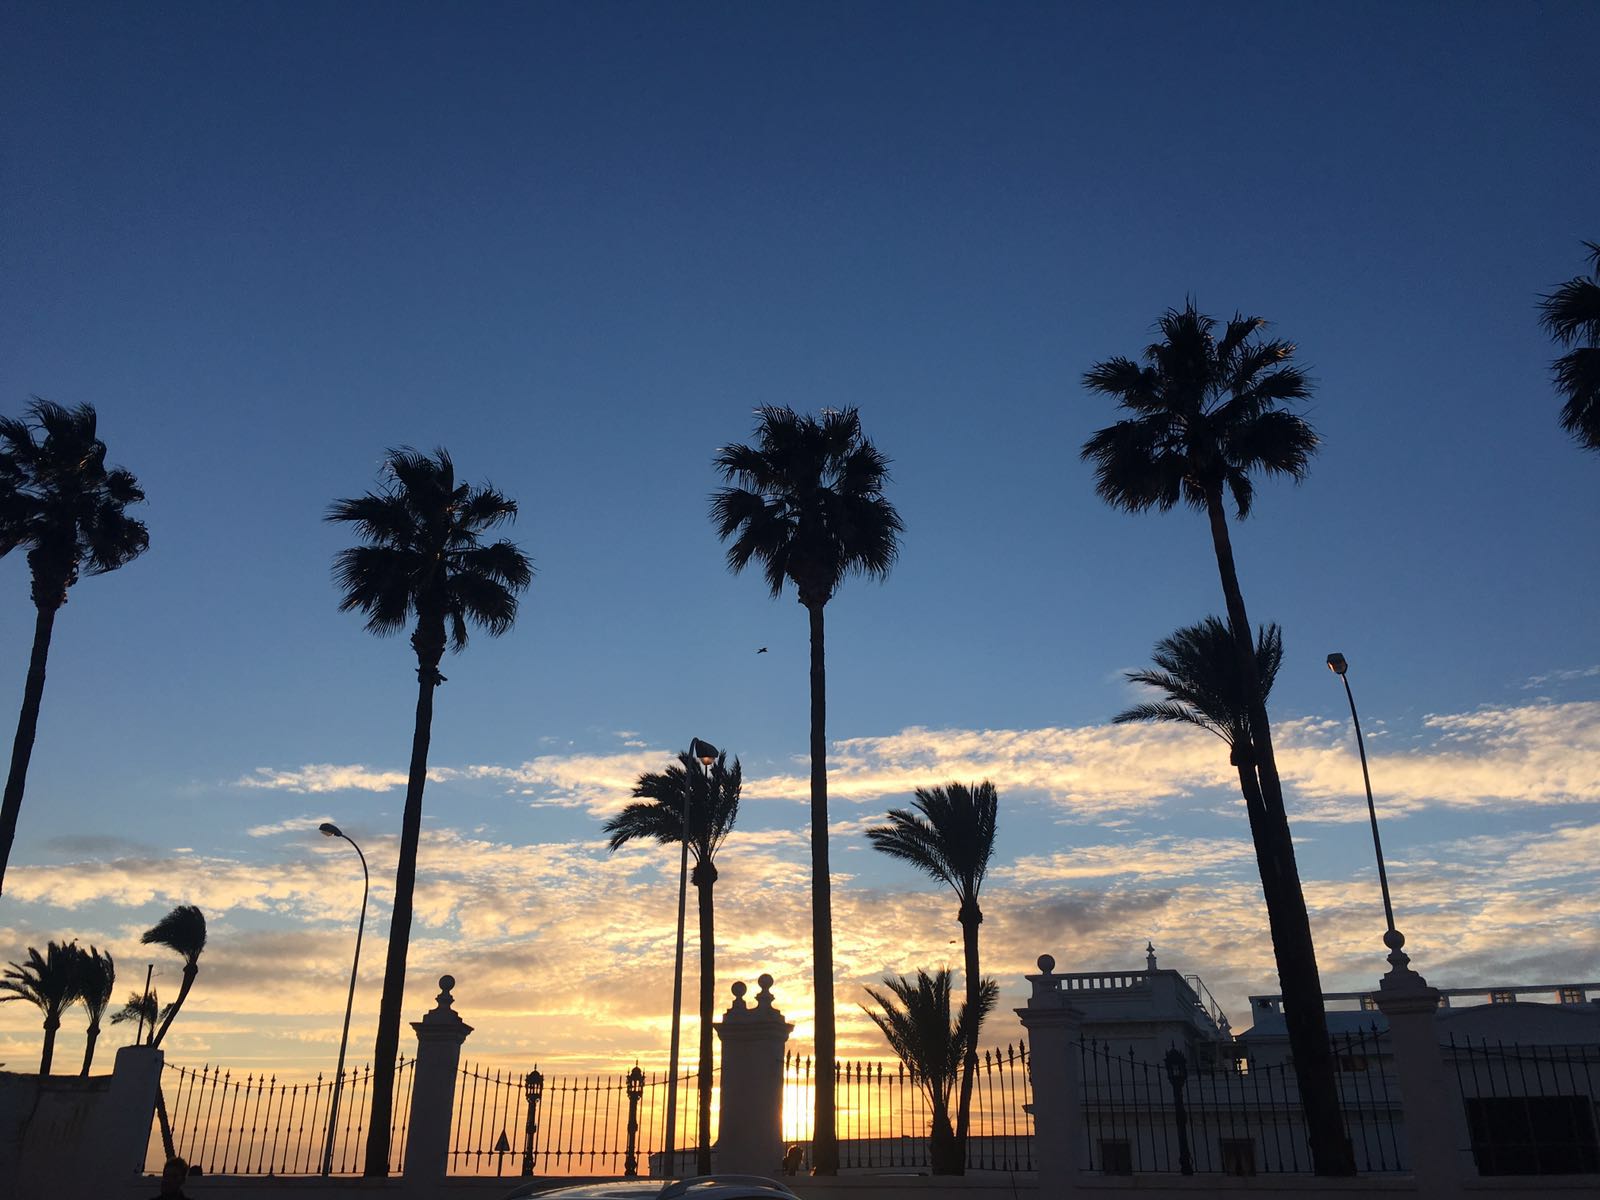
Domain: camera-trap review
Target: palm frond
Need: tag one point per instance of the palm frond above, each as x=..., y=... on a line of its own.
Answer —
x=183, y=931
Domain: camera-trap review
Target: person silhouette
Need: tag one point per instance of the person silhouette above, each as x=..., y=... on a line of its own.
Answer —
x=172, y=1177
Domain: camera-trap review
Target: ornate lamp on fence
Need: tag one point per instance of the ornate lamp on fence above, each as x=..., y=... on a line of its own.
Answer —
x=1177, y=1075
x=630, y=1165
x=533, y=1087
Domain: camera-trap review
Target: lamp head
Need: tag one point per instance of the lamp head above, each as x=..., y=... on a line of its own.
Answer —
x=533, y=1085
x=1337, y=664
x=635, y=1082
x=329, y=829
x=704, y=751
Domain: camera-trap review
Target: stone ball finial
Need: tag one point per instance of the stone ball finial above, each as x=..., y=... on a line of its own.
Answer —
x=765, y=981
x=1394, y=939
x=1047, y=964
x=447, y=983
x=739, y=989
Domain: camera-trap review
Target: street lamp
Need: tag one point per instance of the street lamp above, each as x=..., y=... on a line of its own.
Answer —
x=331, y=830
x=533, y=1088
x=707, y=754
x=1393, y=938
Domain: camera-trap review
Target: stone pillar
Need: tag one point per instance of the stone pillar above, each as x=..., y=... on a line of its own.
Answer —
x=1053, y=1027
x=118, y=1132
x=433, y=1089
x=750, y=1130
x=1435, y=1120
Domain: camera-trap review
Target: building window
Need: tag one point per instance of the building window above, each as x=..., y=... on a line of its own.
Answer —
x=1502, y=997
x=1238, y=1156
x=1570, y=995
x=1533, y=1135
x=1116, y=1156
x=1369, y=1003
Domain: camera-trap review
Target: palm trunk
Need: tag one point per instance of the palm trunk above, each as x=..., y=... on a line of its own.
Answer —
x=824, y=1140
x=970, y=920
x=1298, y=979
x=92, y=1036
x=51, y=1024
x=705, y=880
x=394, y=970
x=190, y=970
x=27, y=727
x=943, y=1151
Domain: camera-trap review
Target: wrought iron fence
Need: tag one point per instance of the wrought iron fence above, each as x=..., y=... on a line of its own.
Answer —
x=1531, y=1110
x=511, y=1122
x=883, y=1115
x=256, y=1124
x=1232, y=1117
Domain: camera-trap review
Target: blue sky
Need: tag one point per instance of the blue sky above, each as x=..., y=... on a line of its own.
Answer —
x=577, y=244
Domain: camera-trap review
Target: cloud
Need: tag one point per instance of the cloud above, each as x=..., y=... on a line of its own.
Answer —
x=1567, y=676
x=333, y=777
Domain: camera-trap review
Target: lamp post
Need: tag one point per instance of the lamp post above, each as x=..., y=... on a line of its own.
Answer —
x=1177, y=1074
x=331, y=830
x=706, y=753
x=533, y=1087
x=630, y=1164
x=1393, y=938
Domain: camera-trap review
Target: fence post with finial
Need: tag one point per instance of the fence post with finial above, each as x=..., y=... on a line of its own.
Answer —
x=1054, y=1027
x=433, y=1088
x=750, y=1132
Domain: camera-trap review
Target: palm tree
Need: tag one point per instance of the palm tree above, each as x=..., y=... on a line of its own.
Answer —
x=423, y=556
x=950, y=836
x=919, y=1030
x=1206, y=414
x=60, y=501
x=183, y=931
x=49, y=982
x=713, y=806
x=807, y=503
x=97, y=978
x=1571, y=315
x=144, y=1008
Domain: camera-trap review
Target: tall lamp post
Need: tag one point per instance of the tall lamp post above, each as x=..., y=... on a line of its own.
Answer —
x=331, y=830
x=1393, y=938
x=707, y=754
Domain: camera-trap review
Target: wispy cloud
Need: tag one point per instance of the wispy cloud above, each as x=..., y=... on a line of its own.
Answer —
x=1570, y=675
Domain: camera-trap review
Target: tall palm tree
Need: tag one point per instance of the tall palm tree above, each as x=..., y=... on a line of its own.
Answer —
x=424, y=557
x=97, y=979
x=806, y=502
x=1204, y=415
x=713, y=806
x=48, y=981
x=60, y=502
x=1571, y=315
x=183, y=931
x=914, y=1016
x=950, y=836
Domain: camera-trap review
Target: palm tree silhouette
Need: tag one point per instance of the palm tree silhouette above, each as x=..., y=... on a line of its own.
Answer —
x=713, y=806
x=807, y=503
x=49, y=982
x=1206, y=414
x=145, y=1008
x=915, y=1018
x=97, y=979
x=1571, y=315
x=424, y=557
x=60, y=501
x=950, y=836
x=183, y=931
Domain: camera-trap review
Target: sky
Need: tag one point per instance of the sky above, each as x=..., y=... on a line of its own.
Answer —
x=578, y=245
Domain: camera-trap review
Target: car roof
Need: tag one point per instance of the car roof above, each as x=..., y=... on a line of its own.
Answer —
x=703, y=1187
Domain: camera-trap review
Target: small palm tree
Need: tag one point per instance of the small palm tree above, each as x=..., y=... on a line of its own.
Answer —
x=806, y=502
x=950, y=836
x=49, y=982
x=1205, y=414
x=423, y=557
x=915, y=1018
x=144, y=1008
x=97, y=979
x=713, y=806
x=183, y=931
x=60, y=502
x=1571, y=315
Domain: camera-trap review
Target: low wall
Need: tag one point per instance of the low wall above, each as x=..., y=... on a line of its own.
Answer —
x=41, y=1120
